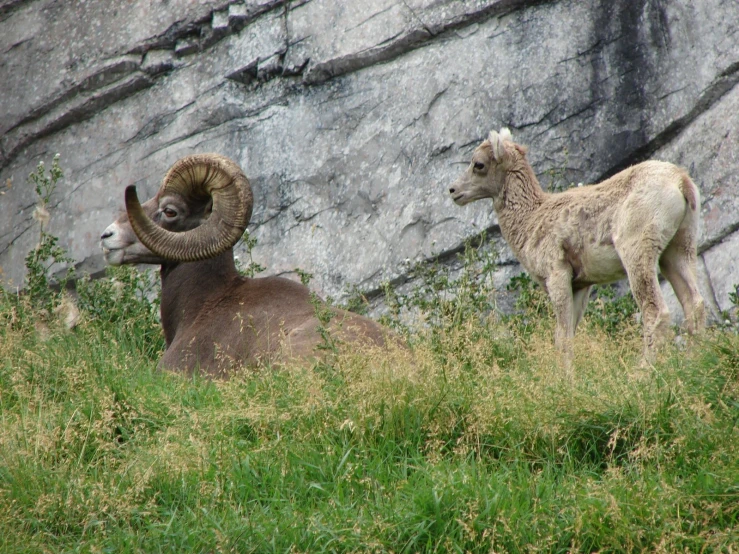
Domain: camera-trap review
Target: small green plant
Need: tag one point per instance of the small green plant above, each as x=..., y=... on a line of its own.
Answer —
x=324, y=314
x=393, y=305
x=424, y=301
x=606, y=310
x=531, y=298
x=127, y=302
x=611, y=312
x=252, y=267
x=305, y=277
x=323, y=311
x=558, y=176
x=125, y=295
x=532, y=304
x=356, y=302
x=440, y=300
x=47, y=252
x=729, y=319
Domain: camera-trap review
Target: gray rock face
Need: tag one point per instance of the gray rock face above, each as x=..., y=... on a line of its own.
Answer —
x=351, y=119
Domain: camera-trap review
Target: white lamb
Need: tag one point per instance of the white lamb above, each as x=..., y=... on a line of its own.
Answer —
x=644, y=217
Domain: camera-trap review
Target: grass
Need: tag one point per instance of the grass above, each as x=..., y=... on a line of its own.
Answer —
x=473, y=440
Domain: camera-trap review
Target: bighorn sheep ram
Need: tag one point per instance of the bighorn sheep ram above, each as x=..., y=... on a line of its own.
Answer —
x=642, y=217
x=213, y=318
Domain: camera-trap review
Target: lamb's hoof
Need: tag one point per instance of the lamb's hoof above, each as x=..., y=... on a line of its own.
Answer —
x=680, y=342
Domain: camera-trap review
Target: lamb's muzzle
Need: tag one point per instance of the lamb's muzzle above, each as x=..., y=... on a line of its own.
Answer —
x=644, y=217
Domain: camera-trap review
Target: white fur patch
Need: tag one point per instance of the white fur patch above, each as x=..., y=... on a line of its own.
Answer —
x=496, y=143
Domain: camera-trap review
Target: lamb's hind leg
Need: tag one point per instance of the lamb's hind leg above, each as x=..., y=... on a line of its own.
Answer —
x=580, y=299
x=678, y=265
x=640, y=261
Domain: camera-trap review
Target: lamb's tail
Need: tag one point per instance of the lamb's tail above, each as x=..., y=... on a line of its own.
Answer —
x=692, y=196
x=690, y=192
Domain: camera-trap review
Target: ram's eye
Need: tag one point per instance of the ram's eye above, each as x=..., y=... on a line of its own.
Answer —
x=479, y=166
x=169, y=212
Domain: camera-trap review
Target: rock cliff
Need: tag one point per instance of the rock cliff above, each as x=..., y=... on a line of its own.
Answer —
x=352, y=118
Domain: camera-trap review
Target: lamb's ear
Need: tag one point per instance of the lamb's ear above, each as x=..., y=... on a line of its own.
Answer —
x=505, y=134
x=496, y=144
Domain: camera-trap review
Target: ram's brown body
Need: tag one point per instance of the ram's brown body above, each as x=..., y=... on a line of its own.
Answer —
x=233, y=320
x=214, y=319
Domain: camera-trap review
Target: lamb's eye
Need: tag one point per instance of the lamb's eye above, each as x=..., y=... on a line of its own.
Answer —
x=169, y=212
x=479, y=166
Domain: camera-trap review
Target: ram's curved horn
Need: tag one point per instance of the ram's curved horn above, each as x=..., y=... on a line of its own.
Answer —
x=198, y=177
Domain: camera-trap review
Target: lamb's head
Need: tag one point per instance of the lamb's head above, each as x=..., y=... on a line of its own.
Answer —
x=485, y=176
x=201, y=209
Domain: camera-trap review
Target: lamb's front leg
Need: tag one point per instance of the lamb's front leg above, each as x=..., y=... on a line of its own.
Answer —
x=559, y=286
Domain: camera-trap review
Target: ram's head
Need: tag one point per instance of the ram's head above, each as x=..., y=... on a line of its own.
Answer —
x=201, y=209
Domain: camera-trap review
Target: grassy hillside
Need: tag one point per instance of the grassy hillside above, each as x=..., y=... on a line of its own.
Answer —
x=473, y=440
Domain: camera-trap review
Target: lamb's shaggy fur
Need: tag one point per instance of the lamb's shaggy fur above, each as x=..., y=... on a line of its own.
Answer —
x=644, y=217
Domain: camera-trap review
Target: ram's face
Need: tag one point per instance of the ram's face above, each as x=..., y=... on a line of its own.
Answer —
x=121, y=245
x=171, y=212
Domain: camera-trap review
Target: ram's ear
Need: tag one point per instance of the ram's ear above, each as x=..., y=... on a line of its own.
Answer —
x=496, y=143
